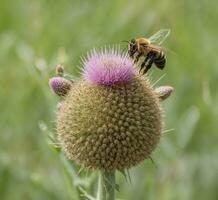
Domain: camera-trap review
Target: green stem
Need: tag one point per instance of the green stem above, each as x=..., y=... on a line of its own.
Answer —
x=106, y=185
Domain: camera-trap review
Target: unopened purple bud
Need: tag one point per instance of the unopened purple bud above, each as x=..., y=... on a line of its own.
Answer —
x=164, y=92
x=59, y=70
x=60, y=85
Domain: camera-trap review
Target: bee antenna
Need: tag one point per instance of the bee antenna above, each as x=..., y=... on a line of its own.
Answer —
x=125, y=41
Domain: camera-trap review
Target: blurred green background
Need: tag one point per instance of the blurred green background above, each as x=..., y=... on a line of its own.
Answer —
x=37, y=35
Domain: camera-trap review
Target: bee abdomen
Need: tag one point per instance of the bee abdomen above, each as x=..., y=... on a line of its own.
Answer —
x=160, y=61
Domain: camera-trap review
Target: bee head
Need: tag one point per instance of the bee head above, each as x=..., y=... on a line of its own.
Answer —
x=132, y=47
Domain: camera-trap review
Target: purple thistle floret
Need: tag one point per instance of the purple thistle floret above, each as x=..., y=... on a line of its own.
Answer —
x=60, y=85
x=108, y=67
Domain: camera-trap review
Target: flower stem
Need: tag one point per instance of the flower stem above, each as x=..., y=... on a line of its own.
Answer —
x=106, y=185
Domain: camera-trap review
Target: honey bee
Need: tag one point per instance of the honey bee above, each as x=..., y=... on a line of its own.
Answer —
x=150, y=49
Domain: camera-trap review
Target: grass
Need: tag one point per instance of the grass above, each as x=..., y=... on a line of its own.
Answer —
x=37, y=35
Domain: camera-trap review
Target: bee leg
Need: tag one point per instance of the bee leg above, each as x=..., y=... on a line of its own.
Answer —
x=144, y=63
x=148, y=63
x=147, y=67
x=137, y=58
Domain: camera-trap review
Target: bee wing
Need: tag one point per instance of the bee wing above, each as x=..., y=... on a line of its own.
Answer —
x=160, y=36
x=154, y=47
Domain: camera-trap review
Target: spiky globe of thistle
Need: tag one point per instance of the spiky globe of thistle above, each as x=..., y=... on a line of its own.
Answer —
x=110, y=118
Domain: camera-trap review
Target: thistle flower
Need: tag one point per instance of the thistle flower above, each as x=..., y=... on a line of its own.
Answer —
x=110, y=119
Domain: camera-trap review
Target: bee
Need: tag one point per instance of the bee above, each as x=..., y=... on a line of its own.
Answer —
x=150, y=49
